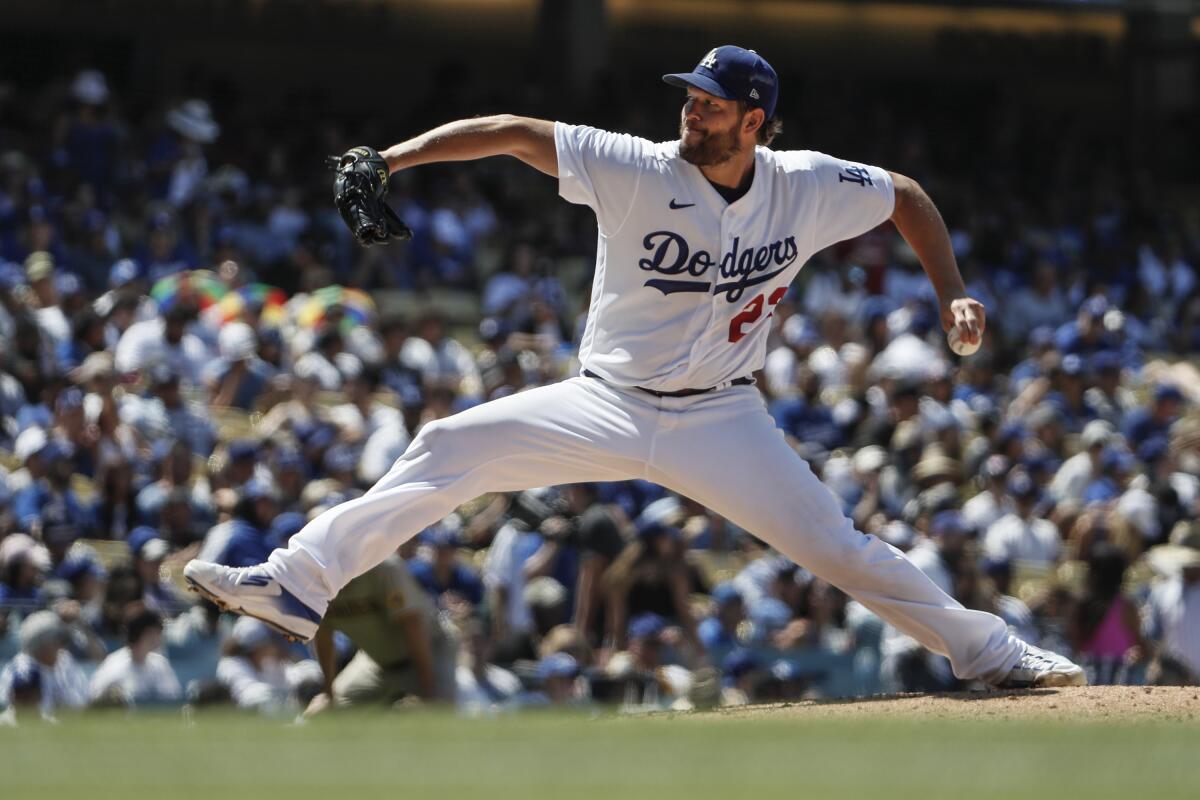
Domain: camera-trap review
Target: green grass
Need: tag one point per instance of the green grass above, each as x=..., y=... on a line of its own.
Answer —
x=419, y=755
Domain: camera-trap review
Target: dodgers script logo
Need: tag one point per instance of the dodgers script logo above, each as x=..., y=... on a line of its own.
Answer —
x=739, y=269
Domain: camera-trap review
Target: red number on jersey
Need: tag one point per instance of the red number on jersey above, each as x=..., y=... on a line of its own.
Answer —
x=750, y=314
x=746, y=316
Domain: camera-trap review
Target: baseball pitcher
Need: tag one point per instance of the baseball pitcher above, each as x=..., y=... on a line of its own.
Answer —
x=699, y=239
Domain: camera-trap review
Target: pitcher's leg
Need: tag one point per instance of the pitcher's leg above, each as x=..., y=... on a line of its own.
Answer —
x=578, y=430
x=731, y=458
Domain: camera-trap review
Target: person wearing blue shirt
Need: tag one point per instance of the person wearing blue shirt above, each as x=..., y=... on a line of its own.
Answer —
x=1144, y=423
x=1068, y=394
x=1115, y=467
x=445, y=573
x=1086, y=334
x=718, y=633
x=251, y=538
x=52, y=496
x=805, y=417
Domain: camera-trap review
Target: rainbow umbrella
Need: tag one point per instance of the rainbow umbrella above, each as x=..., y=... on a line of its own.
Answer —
x=237, y=305
x=200, y=286
x=354, y=305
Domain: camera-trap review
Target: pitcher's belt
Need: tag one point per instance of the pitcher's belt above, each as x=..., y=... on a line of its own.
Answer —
x=587, y=373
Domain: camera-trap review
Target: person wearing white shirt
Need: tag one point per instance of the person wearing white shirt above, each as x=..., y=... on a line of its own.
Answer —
x=137, y=674
x=61, y=680
x=253, y=673
x=321, y=363
x=504, y=579
x=985, y=508
x=40, y=272
x=1020, y=536
x=361, y=416
x=481, y=687
x=936, y=553
x=1078, y=471
x=443, y=361
x=1171, y=618
x=163, y=341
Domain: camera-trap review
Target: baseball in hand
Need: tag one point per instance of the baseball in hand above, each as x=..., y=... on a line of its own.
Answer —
x=958, y=345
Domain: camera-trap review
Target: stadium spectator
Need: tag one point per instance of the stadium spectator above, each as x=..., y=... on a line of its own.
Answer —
x=61, y=683
x=137, y=674
x=147, y=551
x=719, y=632
x=442, y=574
x=1172, y=613
x=649, y=577
x=248, y=536
x=254, y=670
x=1104, y=627
x=1142, y=424
x=557, y=673
x=403, y=649
x=239, y=377
x=1021, y=535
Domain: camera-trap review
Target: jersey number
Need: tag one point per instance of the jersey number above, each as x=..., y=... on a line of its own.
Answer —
x=753, y=310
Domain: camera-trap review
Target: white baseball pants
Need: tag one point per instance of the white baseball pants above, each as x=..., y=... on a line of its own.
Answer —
x=721, y=449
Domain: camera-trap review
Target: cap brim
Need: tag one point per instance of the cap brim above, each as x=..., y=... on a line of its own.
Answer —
x=686, y=79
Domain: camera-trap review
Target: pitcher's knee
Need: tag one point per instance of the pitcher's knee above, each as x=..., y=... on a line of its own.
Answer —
x=441, y=439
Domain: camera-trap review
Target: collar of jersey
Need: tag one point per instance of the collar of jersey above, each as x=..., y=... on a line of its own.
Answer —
x=706, y=193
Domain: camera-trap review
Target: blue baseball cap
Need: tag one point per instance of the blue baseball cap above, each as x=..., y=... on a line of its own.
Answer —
x=69, y=399
x=289, y=459
x=948, y=523
x=439, y=535
x=725, y=592
x=648, y=530
x=67, y=284
x=1020, y=485
x=340, y=458
x=139, y=537
x=646, y=626
x=1116, y=459
x=1166, y=391
x=733, y=73
x=1072, y=364
x=25, y=677
x=1010, y=431
x=1095, y=306
x=75, y=568
x=123, y=272
x=11, y=275
x=259, y=489
x=770, y=614
x=557, y=665
x=242, y=449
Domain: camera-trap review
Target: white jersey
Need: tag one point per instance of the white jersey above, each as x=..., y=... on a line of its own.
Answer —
x=685, y=283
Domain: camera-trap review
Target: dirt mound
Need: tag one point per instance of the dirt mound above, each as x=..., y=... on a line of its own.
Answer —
x=1148, y=703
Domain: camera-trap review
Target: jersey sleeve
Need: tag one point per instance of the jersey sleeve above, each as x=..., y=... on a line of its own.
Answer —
x=851, y=198
x=601, y=170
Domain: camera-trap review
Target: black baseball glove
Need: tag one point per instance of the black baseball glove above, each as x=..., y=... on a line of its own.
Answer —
x=360, y=194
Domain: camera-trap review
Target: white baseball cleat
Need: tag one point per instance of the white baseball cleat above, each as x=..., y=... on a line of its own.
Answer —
x=1040, y=669
x=253, y=592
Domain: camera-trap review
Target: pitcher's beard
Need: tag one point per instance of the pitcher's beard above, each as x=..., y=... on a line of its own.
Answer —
x=711, y=149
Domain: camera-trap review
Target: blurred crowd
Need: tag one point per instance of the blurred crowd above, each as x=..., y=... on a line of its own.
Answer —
x=195, y=360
